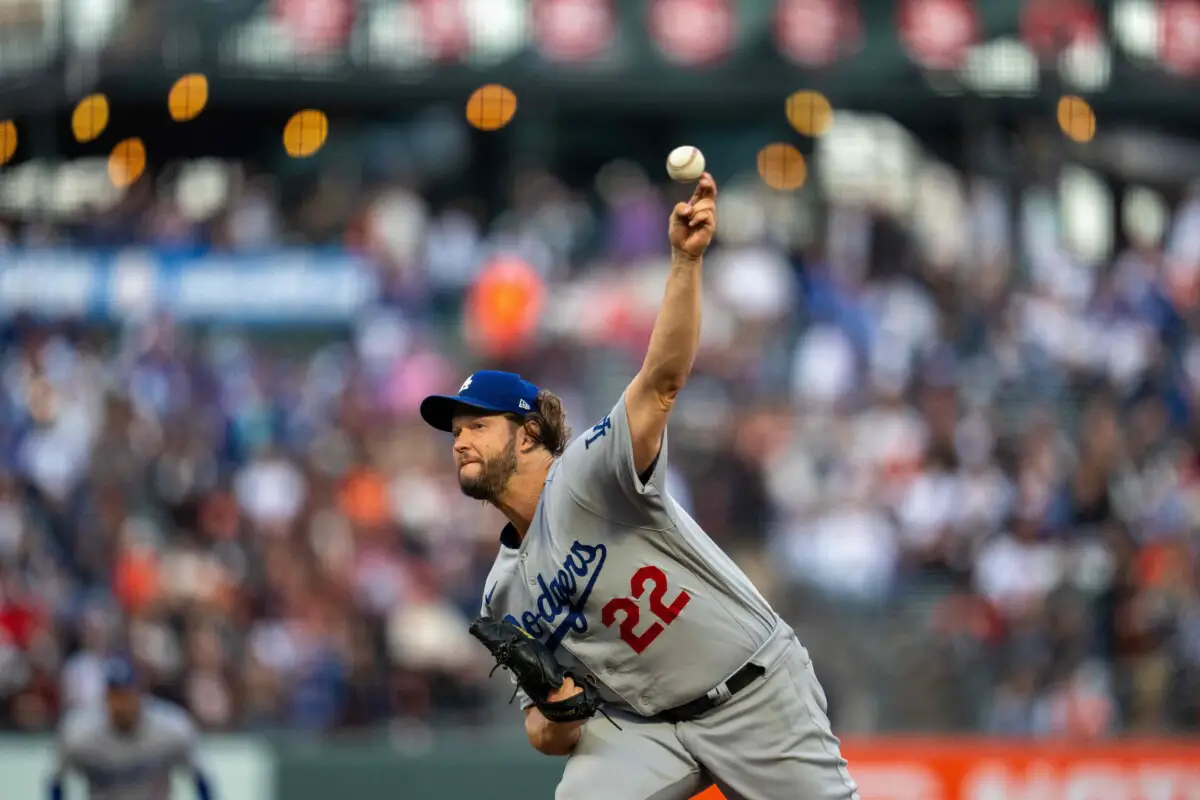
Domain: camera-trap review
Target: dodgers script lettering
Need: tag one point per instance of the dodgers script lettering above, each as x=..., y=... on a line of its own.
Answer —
x=558, y=606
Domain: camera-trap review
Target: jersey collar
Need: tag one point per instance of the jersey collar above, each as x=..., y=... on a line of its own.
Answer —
x=509, y=537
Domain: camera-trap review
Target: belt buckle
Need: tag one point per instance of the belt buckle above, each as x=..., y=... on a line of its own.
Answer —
x=719, y=694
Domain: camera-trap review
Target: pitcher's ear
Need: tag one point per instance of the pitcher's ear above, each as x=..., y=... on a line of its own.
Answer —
x=533, y=436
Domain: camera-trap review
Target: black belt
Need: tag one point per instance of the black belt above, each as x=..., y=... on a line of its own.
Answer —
x=705, y=703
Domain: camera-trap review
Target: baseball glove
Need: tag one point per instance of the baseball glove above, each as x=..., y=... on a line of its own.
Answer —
x=536, y=670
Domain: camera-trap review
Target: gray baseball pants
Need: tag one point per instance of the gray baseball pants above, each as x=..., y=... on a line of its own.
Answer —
x=771, y=741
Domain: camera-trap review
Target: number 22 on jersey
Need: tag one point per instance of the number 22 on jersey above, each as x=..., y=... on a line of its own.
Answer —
x=630, y=613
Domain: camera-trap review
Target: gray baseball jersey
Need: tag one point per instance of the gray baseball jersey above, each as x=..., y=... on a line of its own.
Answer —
x=618, y=580
x=136, y=766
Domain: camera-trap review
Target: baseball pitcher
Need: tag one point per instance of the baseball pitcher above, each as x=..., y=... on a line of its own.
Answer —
x=128, y=748
x=606, y=596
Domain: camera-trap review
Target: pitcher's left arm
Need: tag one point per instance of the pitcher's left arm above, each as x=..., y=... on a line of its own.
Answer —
x=676, y=334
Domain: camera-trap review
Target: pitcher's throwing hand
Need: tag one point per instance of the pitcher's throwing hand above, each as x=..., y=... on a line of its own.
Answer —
x=693, y=223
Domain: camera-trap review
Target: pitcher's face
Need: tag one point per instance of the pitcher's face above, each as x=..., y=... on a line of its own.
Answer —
x=485, y=454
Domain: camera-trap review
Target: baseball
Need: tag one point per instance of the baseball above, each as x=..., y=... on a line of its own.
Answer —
x=685, y=164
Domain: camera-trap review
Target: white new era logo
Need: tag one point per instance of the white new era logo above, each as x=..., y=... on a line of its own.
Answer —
x=466, y=383
x=524, y=405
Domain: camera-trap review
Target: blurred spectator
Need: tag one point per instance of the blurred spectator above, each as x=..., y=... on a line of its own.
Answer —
x=970, y=485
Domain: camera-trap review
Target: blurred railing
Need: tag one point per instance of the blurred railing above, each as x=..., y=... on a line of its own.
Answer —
x=304, y=287
x=499, y=768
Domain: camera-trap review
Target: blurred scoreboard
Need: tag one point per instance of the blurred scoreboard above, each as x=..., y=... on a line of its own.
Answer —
x=857, y=51
x=1135, y=54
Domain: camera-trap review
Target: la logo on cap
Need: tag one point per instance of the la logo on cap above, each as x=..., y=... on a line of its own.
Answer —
x=466, y=384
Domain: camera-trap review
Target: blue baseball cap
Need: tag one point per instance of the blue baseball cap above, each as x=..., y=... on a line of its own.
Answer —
x=487, y=390
x=120, y=674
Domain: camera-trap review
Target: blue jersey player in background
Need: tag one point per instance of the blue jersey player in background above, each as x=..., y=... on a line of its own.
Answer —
x=129, y=747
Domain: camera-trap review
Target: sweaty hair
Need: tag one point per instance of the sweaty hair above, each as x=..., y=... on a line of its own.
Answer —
x=547, y=424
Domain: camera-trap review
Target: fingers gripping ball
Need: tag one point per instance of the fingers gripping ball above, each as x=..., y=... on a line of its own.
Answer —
x=536, y=670
x=693, y=223
x=685, y=164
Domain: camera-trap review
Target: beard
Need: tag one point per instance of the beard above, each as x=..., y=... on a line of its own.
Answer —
x=493, y=475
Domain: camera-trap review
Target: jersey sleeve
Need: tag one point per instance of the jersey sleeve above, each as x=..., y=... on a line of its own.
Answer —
x=66, y=742
x=522, y=699
x=62, y=759
x=175, y=724
x=599, y=471
x=189, y=744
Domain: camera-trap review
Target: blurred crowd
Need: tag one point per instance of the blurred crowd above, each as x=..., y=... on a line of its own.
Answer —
x=971, y=484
